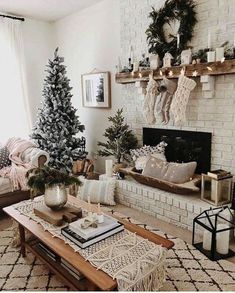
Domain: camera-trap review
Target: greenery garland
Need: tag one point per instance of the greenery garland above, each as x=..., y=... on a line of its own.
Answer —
x=182, y=10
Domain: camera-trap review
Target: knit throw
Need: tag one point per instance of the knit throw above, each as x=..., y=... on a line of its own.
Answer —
x=18, y=169
x=136, y=263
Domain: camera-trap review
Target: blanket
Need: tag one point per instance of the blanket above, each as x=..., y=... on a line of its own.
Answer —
x=18, y=169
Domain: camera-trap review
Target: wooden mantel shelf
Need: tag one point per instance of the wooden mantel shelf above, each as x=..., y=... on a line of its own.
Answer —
x=212, y=68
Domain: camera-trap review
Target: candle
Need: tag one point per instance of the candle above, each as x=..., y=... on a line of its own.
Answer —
x=131, y=53
x=109, y=168
x=219, y=53
x=234, y=40
x=89, y=200
x=206, y=240
x=222, y=240
x=209, y=40
x=178, y=40
x=99, y=210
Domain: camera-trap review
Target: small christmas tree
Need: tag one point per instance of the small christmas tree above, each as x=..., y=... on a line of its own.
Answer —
x=120, y=139
x=57, y=123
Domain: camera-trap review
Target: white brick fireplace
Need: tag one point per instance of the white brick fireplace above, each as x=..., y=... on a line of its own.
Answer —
x=204, y=113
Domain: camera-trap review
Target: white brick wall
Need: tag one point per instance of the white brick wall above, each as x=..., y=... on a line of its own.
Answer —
x=216, y=115
x=176, y=209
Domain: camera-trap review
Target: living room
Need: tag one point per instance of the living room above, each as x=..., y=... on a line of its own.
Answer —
x=117, y=120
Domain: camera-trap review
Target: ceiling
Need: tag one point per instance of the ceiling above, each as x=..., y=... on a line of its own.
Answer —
x=46, y=10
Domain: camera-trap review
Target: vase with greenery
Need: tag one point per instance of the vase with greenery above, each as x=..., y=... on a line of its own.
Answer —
x=119, y=139
x=52, y=183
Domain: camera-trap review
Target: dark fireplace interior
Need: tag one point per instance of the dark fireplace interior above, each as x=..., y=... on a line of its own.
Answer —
x=183, y=146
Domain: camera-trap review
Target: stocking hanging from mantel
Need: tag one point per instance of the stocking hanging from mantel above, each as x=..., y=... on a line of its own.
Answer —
x=150, y=100
x=164, y=99
x=180, y=99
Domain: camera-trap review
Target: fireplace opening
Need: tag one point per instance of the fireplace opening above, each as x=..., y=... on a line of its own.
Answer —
x=182, y=146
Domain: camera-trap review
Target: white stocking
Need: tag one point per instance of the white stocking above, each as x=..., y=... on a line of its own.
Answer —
x=149, y=101
x=180, y=99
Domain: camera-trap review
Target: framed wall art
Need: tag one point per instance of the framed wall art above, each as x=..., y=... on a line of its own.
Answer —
x=96, y=90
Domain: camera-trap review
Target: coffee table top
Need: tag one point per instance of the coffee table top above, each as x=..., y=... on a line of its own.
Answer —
x=98, y=277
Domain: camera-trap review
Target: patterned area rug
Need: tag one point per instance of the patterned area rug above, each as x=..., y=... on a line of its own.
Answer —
x=187, y=268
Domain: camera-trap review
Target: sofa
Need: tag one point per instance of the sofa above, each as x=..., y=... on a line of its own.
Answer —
x=7, y=196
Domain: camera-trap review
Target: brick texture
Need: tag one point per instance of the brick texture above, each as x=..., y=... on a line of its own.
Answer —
x=217, y=114
x=176, y=209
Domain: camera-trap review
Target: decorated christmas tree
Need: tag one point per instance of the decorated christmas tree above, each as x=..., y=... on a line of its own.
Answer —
x=57, y=123
x=120, y=139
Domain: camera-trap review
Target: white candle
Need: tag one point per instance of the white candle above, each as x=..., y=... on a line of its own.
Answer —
x=178, y=40
x=131, y=53
x=89, y=199
x=209, y=40
x=234, y=40
x=99, y=210
x=222, y=240
x=100, y=218
x=207, y=240
x=109, y=168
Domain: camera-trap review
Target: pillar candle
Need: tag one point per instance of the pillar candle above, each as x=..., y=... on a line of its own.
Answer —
x=109, y=168
x=219, y=53
x=207, y=240
x=222, y=240
x=209, y=40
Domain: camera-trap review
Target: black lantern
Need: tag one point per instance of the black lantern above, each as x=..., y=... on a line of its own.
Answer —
x=213, y=229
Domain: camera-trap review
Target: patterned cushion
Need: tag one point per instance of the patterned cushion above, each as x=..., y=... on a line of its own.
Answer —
x=4, y=157
x=99, y=191
x=172, y=172
x=141, y=156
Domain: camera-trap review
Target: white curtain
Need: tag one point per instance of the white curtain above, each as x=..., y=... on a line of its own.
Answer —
x=15, y=118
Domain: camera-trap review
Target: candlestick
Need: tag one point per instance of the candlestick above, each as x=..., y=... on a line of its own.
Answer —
x=178, y=41
x=209, y=40
x=222, y=241
x=109, y=168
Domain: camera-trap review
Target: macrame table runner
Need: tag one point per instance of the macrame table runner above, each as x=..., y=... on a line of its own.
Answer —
x=136, y=263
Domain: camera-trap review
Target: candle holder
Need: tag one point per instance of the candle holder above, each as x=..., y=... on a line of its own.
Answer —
x=216, y=191
x=217, y=225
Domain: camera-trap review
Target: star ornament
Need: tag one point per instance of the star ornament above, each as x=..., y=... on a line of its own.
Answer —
x=195, y=73
x=171, y=73
x=209, y=68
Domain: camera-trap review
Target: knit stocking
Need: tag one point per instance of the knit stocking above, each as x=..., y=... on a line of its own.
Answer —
x=166, y=89
x=181, y=97
x=149, y=101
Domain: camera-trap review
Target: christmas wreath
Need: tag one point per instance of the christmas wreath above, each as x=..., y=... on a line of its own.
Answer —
x=180, y=10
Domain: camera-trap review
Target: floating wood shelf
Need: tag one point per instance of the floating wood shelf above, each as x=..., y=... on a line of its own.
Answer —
x=212, y=68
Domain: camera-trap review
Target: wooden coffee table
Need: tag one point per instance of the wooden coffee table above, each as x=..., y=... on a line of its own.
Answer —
x=94, y=279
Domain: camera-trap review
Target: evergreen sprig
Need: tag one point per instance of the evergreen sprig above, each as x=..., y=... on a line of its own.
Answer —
x=120, y=139
x=39, y=178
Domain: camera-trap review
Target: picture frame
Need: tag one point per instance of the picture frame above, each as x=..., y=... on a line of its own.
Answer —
x=96, y=90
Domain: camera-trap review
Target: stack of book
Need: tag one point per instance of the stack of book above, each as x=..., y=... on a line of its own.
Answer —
x=219, y=174
x=86, y=237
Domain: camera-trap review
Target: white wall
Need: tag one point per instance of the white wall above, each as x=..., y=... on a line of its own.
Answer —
x=38, y=47
x=90, y=39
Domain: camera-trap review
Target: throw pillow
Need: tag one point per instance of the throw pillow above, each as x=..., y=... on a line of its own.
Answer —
x=141, y=156
x=172, y=172
x=99, y=191
x=4, y=157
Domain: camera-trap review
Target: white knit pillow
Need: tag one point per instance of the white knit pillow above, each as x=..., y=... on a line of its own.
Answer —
x=100, y=191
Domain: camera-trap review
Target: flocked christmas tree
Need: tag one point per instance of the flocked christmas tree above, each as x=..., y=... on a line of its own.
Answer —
x=57, y=123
